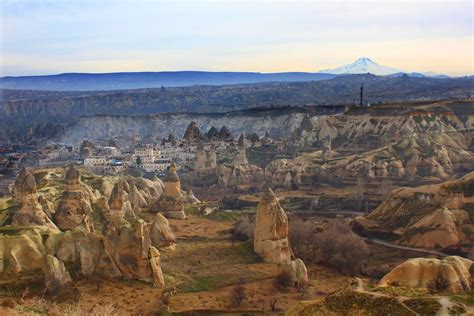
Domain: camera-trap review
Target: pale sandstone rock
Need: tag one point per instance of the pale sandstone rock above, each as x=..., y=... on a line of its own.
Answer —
x=28, y=211
x=116, y=214
x=298, y=271
x=190, y=198
x=155, y=265
x=271, y=230
x=73, y=209
x=160, y=232
x=56, y=275
x=136, y=198
x=123, y=252
x=419, y=272
x=171, y=202
x=240, y=157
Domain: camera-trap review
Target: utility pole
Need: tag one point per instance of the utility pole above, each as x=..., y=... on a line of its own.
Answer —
x=361, y=95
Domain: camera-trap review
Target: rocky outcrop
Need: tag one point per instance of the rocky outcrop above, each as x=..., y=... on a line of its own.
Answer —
x=161, y=233
x=171, y=202
x=129, y=246
x=240, y=157
x=190, y=198
x=192, y=133
x=271, y=230
x=116, y=212
x=421, y=272
x=225, y=134
x=212, y=134
x=58, y=255
x=211, y=157
x=201, y=158
x=284, y=173
x=135, y=197
x=240, y=175
x=271, y=237
x=27, y=210
x=432, y=216
x=73, y=209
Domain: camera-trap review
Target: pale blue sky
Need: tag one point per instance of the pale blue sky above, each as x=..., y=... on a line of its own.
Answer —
x=43, y=37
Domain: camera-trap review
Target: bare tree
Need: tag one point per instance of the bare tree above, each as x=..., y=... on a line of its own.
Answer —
x=238, y=295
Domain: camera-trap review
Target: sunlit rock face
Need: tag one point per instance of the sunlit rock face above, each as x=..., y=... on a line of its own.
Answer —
x=73, y=209
x=420, y=272
x=271, y=230
x=271, y=237
x=28, y=211
x=124, y=252
x=171, y=202
x=116, y=211
x=429, y=216
x=161, y=234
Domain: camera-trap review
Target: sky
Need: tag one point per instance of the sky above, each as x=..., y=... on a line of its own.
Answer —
x=57, y=36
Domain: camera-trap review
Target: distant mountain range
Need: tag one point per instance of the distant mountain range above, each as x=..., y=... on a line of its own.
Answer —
x=140, y=80
x=366, y=65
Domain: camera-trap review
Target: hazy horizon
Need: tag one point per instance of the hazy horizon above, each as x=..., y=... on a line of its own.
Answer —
x=51, y=37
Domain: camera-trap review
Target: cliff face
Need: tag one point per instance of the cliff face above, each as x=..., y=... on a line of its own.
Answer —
x=25, y=109
x=280, y=122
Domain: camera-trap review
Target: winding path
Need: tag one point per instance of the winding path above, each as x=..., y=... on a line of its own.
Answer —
x=421, y=250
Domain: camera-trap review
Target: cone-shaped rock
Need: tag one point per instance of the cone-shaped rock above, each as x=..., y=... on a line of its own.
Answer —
x=271, y=230
x=171, y=202
x=28, y=210
x=73, y=209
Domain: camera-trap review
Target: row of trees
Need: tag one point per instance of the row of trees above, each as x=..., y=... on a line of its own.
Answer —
x=336, y=246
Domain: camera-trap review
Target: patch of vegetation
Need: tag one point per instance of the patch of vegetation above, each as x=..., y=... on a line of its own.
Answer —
x=456, y=310
x=203, y=283
x=228, y=215
x=245, y=251
x=463, y=186
x=423, y=306
x=466, y=298
x=191, y=209
x=401, y=291
x=347, y=302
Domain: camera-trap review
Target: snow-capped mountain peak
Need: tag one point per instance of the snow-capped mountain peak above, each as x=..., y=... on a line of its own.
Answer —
x=361, y=66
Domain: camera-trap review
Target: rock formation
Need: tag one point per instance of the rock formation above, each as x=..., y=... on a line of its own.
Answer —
x=201, y=158
x=431, y=216
x=212, y=134
x=211, y=158
x=193, y=133
x=225, y=134
x=171, y=202
x=420, y=272
x=116, y=214
x=126, y=253
x=271, y=237
x=271, y=230
x=236, y=175
x=240, y=157
x=135, y=197
x=28, y=211
x=130, y=248
x=190, y=198
x=73, y=209
x=161, y=233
